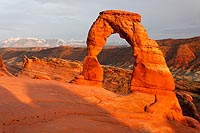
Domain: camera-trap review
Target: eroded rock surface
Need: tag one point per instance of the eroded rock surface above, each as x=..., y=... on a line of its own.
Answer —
x=150, y=69
x=150, y=72
x=50, y=68
x=188, y=107
x=32, y=106
x=3, y=69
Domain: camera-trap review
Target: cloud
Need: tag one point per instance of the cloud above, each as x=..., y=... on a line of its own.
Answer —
x=72, y=18
x=7, y=29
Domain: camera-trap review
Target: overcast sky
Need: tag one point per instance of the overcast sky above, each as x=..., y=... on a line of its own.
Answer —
x=71, y=19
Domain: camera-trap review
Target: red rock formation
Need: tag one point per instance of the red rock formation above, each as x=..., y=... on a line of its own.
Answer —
x=150, y=74
x=150, y=69
x=3, y=69
x=181, y=53
x=26, y=63
x=1, y=66
x=51, y=68
x=32, y=106
x=187, y=105
x=92, y=70
x=42, y=77
x=183, y=56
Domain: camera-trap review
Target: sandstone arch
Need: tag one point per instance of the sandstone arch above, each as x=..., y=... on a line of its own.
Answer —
x=150, y=70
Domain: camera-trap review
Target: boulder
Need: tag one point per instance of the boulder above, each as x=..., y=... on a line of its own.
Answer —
x=187, y=105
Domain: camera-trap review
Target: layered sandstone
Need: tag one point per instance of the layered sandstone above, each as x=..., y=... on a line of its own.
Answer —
x=3, y=69
x=187, y=105
x=150, y=69
x=150, y=72
x=49, y=68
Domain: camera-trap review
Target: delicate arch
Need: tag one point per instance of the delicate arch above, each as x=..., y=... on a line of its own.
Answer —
x=150, y=69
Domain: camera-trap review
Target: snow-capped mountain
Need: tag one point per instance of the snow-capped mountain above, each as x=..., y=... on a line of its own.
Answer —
x=35, y=42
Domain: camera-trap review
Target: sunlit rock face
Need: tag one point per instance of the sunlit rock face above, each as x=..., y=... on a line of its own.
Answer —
x=49, y=68
x=3, y=69
x=150, y=72
x=150, y=69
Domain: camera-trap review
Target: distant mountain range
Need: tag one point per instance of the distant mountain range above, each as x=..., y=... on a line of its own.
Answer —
x=35, y=42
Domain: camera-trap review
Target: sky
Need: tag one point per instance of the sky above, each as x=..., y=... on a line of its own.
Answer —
x=71, y=19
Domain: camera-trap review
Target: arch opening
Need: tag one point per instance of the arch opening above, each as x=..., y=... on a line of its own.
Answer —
x=116, y=52
x=117, y=62
x=115, y=40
